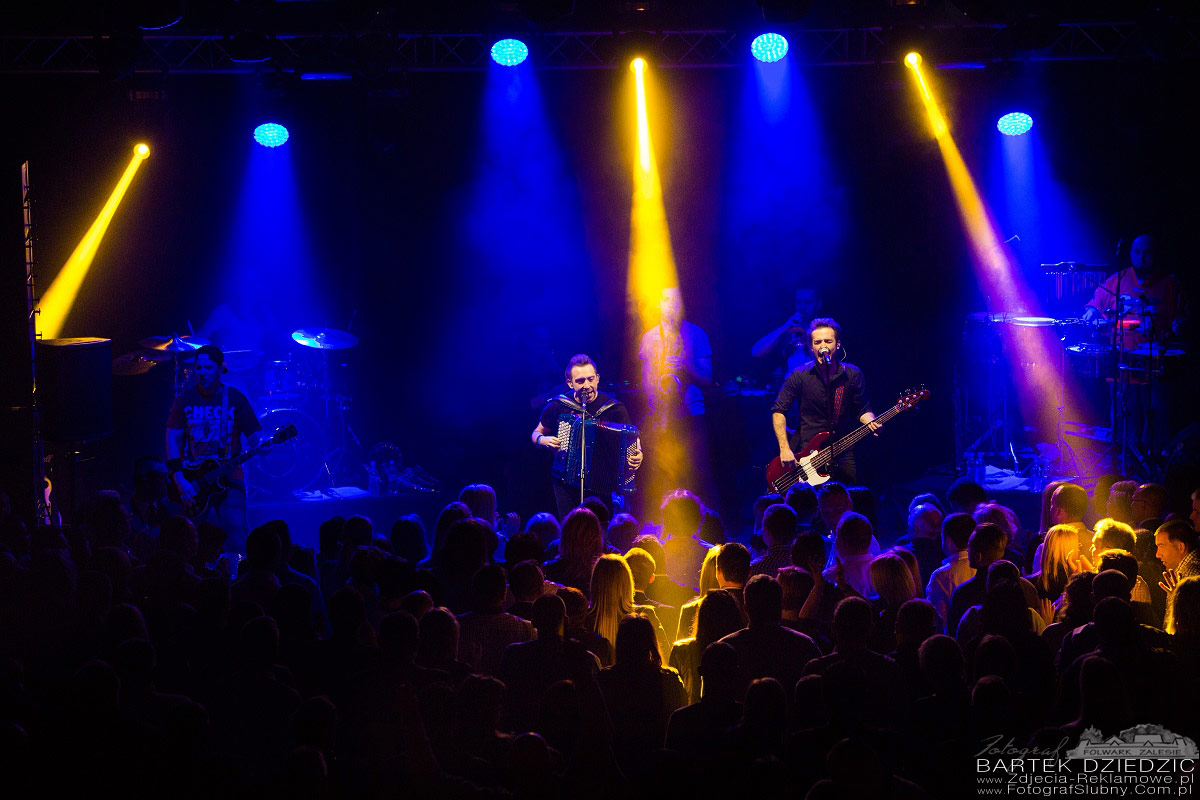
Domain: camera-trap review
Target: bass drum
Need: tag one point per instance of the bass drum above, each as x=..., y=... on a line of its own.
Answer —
x=294, y=465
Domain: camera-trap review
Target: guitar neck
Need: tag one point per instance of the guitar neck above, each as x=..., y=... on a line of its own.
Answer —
x=849, y=440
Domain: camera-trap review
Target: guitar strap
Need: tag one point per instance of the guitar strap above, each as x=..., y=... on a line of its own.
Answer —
x=226, y=439
x=839, y=395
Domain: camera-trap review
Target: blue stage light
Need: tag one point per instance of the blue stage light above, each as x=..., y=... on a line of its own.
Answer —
x=769, y=47
x=509, y=52
x=270, y=134
x=1014, y=124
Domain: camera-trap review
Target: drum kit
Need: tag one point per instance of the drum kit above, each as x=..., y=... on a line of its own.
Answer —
x=1106, y=356
x=304, y=386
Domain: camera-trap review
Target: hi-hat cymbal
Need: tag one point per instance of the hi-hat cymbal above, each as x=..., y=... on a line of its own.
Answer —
x=174, y=344
x=325, y=338
x=135, y=363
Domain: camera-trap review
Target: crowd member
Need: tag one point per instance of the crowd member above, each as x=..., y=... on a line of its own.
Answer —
x=708, y=582
x=581, y=544
x=894, y=586
x=1148, y=505
x=1176, y=548
x=682, y=514
x=984, y=548
x=964, y=495
x=719, y=616
x=1059, y=561
x=779, y=530
x=956, y=568
x=733, y=570
x=612, y=601
x=765, y=647
x=852, y=554
x=832, y=502
x=486, y=630
x=641, y=565
x=662, y=589
x=923, y=538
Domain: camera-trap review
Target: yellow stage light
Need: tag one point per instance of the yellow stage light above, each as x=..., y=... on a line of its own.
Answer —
x=913, y=60
x=1036, y=363
x=57, y=300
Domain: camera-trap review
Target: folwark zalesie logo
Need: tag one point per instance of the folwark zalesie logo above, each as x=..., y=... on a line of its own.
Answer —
x=1140, y=741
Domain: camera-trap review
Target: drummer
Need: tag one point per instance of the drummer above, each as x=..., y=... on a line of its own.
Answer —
x=1150, y=295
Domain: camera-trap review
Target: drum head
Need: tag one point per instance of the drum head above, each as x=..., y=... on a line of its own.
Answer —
x=294, y=465
x=1033, y=322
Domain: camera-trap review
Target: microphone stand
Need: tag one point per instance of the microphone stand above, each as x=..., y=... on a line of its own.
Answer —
x=582, y=448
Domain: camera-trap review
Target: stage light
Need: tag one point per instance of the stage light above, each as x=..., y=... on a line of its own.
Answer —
x=1014, y=124
x=142, y=150
x=912, y=60
x=55, y=303
x=509, y=52
x=769, y=47
x=271, y=134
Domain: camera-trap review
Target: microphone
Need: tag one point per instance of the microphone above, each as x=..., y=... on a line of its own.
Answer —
x=823, y=355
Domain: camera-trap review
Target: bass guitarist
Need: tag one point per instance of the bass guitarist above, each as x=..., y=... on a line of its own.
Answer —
x=208, y=421
x=831, y=395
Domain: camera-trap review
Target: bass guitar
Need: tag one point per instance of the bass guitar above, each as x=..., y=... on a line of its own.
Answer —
x=208, y=477
x=812, y=462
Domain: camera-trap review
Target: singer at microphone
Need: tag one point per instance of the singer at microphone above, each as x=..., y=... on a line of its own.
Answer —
x=583, y=384
x=830, y=396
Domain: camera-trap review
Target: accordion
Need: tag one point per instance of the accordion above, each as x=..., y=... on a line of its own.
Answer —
x=607, y=445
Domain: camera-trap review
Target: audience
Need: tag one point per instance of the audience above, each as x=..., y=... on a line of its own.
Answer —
x=130, y=642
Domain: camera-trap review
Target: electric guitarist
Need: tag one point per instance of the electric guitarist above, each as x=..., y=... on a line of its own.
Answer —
x=831, y=397
x=209, y=421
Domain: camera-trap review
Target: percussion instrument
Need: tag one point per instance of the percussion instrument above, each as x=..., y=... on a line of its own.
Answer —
x=1090, y=360
x=1141, y=361
x=295, y=464
x=324, y=338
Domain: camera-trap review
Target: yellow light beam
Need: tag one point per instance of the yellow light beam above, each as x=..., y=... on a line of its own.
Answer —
x=651, y=270
x=1036, y=359
x=57, y=300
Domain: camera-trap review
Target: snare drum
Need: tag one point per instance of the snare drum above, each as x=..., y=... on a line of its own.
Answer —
x=1089, y=360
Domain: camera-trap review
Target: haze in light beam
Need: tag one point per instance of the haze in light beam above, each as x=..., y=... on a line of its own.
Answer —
x=56, y=301
x=1035, y=354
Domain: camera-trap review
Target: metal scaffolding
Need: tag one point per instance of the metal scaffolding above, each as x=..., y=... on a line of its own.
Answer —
x=379, y=52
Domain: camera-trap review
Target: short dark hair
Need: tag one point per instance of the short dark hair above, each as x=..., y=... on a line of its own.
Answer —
x=579, y=360
x=823, y=322
x=779, y=521
x=684, y=508
x=1120, y=560
x=526, y=580
x=1178, y=530
x=1072, y=499
x=803, y=499
x=964, y=494
x=487, y=587
x=808, y=546
x=733, y=559
x=641, y=564
x=855, y=530
x=599, y=508
x=852, y=620
x=832, y=487
x=988, y=543
x=764, y=599
x=655, y=548
x=958, y=527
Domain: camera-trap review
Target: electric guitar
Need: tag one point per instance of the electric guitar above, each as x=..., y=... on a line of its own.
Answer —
x=208, y=477
x=812, y=463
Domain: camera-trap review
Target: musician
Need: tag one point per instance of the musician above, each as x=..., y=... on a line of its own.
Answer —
x=1149, y=285
x=676, y=366
x=583, y=387
x=830, y=394
x=208, y=421
x=790, y=338
x=676, y=361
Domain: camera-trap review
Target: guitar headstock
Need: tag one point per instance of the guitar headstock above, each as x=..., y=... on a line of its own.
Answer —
x=283, y=434
x=910, y=397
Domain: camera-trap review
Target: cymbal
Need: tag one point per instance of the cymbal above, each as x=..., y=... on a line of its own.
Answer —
x=242, y=360
x=325, y=338
x=174, y=344
x=135, y=363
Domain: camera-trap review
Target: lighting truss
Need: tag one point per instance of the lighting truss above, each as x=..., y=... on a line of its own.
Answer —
x=447, y=52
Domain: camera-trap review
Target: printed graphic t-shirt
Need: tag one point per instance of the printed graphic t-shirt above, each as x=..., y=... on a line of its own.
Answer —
x=202, y=419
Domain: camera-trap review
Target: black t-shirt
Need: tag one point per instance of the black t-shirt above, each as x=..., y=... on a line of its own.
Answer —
x=616, y=412
x=814, y=391
x=211, y=430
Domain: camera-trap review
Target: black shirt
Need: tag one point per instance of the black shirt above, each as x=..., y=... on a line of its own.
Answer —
x=815, y=390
